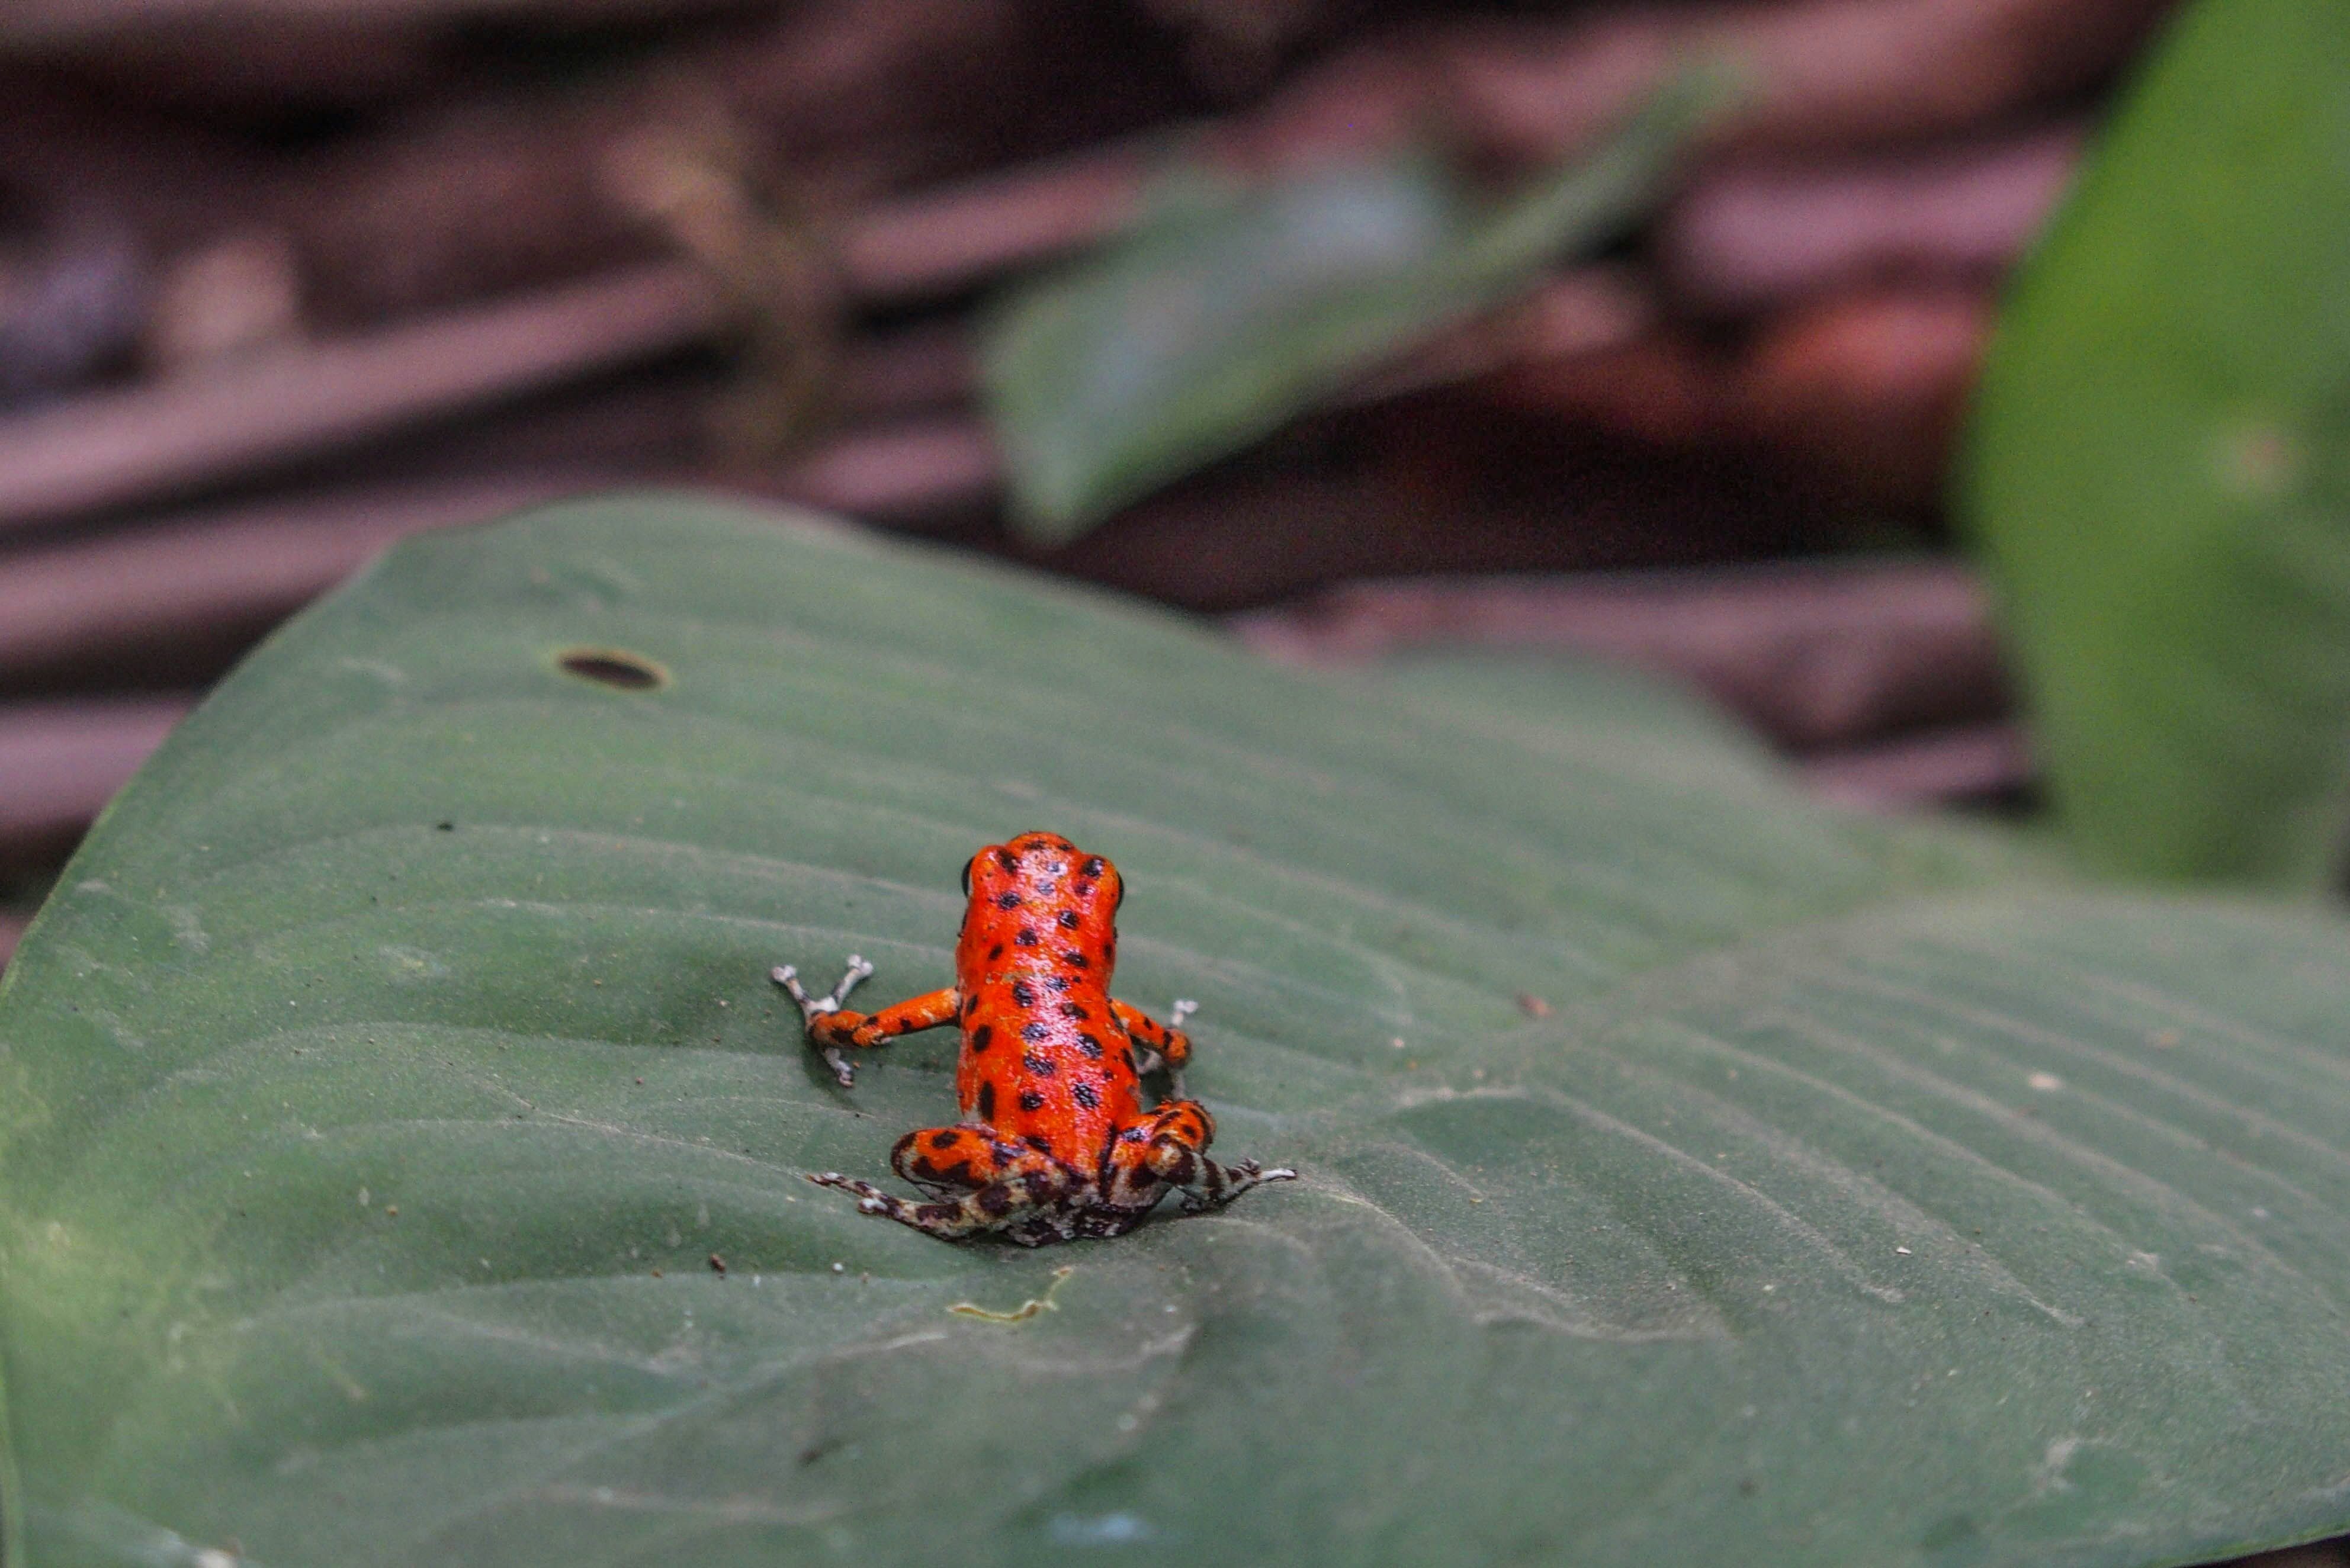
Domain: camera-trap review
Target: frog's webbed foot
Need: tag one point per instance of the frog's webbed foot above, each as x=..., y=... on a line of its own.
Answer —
x=788, y=978
x=814, y=1007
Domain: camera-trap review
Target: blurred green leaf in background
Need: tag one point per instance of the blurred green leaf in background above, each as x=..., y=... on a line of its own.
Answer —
x=1230, y=312
x=2159, y=469
x=1689, y=1174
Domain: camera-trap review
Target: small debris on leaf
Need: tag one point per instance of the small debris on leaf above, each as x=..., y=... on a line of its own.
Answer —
x=1025, y=1310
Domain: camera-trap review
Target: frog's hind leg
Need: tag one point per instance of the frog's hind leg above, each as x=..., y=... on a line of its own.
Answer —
x=943, y=1161
x=1025, y=1198
x=948, y=1221
x=1171, y=1149
x=1211, y=1186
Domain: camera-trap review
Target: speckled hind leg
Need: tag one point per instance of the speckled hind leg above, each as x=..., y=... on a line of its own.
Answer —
x=1211, y=1186
x=948, y=1161
x=1170, y=1150
x=1037, y=1189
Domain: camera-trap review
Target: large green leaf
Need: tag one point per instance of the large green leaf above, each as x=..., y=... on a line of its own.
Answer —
x=1859, y=1198
x=2161, y=461
x=1232, y=311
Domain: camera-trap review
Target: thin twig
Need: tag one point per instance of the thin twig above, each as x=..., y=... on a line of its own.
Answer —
x=903, y=474
x=28, y=24
x=180, y=597
x=1980, y=762
x=117, y=448
x=62, y=761
x=1813, y=654
x=1745, y=237
x=948, y=239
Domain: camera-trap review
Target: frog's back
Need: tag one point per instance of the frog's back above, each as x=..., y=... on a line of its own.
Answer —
x=1044, y=1059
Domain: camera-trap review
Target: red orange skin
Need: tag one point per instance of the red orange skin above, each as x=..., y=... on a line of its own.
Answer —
x=1054, y=1142
x=1033, y=965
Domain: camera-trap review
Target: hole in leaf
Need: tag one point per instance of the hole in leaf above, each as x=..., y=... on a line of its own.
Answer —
x=613, y=667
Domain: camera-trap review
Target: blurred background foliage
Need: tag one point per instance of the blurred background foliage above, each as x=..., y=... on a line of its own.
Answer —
x=1225, y=314
x=1366, y=324
x=2157, y=470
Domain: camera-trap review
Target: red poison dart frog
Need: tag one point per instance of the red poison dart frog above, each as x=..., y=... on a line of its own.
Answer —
x=1053, y=1142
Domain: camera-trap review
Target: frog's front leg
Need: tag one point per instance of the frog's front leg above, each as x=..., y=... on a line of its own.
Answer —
x=1158, y=1045
x=1169, y=1149
x=832, y=1028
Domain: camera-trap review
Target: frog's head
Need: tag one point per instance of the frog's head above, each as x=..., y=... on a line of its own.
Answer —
x=1046, y=873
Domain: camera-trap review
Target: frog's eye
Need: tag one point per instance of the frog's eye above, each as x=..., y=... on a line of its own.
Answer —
x=1114, y=908
x=966, y=874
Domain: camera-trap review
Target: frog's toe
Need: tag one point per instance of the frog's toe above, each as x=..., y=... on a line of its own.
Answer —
x=865, y=1190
